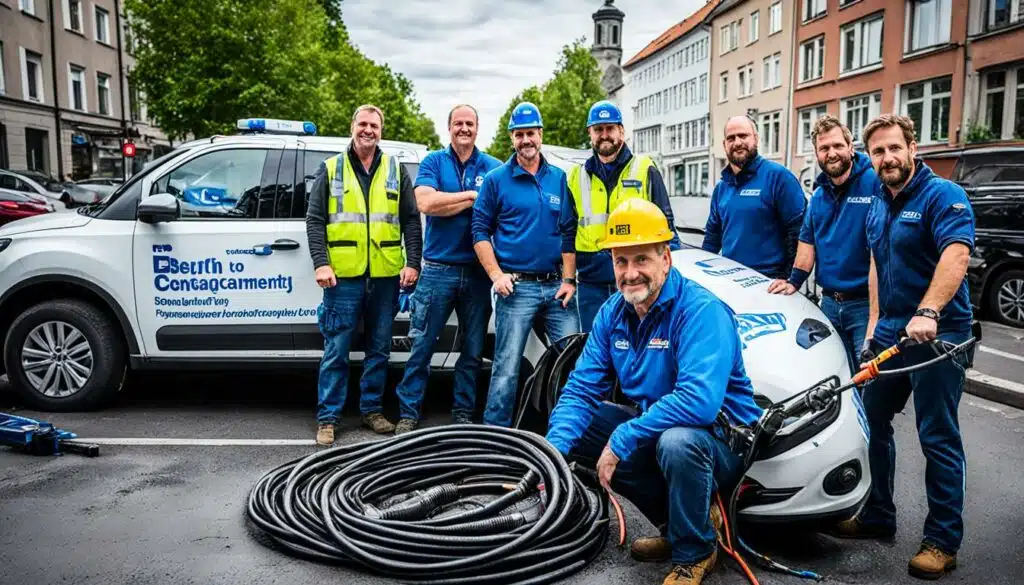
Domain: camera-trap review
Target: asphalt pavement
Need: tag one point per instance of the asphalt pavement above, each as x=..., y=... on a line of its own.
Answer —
x=174, y=513
x=998, y=372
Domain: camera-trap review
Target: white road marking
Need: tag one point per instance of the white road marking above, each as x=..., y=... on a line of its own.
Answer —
x=1001, y=353
x=130, y=441
x=984, y=406
x=992, y=380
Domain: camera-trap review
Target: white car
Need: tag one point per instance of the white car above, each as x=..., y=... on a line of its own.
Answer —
x=200, y=261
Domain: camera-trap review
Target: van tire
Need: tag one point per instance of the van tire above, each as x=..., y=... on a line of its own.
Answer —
x=108, y=367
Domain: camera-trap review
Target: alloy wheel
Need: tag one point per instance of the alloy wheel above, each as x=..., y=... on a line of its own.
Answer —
x=57, y=359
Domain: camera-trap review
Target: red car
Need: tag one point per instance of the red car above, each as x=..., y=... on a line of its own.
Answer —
x=15, y=205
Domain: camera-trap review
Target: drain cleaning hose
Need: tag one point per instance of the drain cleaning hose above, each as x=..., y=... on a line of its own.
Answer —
x=439, y=505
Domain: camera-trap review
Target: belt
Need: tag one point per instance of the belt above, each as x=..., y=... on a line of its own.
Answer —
x=854, y=295
x=536, y=276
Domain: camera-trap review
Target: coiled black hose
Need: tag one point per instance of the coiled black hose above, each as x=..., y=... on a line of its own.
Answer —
x=391, y=507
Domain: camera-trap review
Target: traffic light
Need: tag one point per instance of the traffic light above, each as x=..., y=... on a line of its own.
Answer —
x=128, y=148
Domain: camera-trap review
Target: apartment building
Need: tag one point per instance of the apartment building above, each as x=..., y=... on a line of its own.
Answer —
x=65, y=100
x=994, y=86
x=752, y=45
x=858, y=58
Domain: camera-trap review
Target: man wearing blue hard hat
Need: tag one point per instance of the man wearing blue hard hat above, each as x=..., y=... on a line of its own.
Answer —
x=612, y=175
x=516, y=238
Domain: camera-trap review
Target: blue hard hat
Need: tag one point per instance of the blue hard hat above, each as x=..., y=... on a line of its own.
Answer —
x=525, y=115
x=604, y=112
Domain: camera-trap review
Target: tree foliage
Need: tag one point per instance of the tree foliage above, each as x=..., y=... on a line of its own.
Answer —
x=564, y=101
x=203, y=64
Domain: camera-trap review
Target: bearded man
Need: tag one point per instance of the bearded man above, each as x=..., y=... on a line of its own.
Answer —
x=833, y=238
x=611, y=175
x=757, y=207
x=674, y=349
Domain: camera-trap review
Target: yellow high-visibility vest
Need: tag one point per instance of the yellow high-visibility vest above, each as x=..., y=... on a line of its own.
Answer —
x=593, y=204
x=357, y=236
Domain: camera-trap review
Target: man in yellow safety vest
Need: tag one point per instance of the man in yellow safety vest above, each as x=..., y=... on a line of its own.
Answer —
x=361, y=208
x=613, y=174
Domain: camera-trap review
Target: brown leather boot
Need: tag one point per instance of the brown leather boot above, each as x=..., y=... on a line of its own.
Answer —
x=656, y=549
x=405, y=425
x=931, y=562
x=378, y=423
x=692, y=574
x=855, y=529
x=325, y=435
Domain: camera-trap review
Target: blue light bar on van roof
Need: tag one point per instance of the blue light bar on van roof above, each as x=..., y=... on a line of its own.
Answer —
x=273, y=126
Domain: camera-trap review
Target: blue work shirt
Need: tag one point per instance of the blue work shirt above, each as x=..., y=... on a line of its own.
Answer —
x=596, y=267
x=834, y=225
x=518, y=213
x=907, y=236
x=681, y=364
x=449, y=240
x=755, y=217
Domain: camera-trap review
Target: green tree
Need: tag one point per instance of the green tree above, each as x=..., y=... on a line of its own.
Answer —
x=564, y=101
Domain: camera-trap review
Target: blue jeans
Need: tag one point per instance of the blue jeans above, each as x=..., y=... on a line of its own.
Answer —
x=513, y=321
x=850, y=318
x=441, y=288
x=375, y=300
x=937, y=390
x=590, y=297
x=671, y=481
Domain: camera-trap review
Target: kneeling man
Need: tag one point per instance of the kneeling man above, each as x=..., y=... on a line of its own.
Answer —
x=674, y=349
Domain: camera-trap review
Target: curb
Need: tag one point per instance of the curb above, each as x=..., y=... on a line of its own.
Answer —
x=995, y=389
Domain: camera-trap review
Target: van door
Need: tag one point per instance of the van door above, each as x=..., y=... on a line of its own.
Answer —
x=219, y=283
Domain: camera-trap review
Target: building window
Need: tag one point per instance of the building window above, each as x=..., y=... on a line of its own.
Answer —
x=28, y=6
x=37, y=150
x=730, y=36
x=1002, y=103
x=861, y=44
x=3, y=74
x=812, y=59
x=704, y=88
x=32, y=76
x=995, y=96
x=103, y=93
x=696, y=179
x=745, y=80
x=1002, y=13
x=775, y=18
x=927, y=104
x=771, y=130
x=76, y=87
x=73, y=15
x=102, y=25
x=615, y=34
x=929, y=24
x=723, y=86
x=753, y=33
x=807, y=117
x=813, y=9
x=856, y=112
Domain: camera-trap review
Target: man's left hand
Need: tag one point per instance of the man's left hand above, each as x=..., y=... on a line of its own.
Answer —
x=566, y=290
x=922, y=329
x=780, y=286
x=606, y=467
x=408, y=277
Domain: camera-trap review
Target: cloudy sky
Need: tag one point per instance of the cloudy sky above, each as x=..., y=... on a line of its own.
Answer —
x=486, y=51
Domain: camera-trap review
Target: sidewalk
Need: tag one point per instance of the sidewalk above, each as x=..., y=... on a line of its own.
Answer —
x=998, y=373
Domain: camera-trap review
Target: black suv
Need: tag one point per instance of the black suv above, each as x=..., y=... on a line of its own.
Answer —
x=996, y=270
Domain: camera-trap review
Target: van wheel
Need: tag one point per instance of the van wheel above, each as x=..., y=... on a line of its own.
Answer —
x=1006, y=298
x=64, y=355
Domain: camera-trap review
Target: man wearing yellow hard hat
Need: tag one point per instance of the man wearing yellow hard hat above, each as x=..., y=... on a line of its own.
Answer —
x=674, y=349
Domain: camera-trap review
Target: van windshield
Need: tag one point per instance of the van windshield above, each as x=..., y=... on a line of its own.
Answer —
x=95, y=209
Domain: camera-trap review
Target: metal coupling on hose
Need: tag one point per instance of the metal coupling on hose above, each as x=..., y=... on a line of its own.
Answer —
x=419, y=506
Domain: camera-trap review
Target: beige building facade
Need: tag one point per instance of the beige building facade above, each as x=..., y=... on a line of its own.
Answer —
x=66, y=104
x=751, y=64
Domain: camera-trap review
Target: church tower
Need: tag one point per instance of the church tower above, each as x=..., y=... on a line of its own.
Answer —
x=607, y=47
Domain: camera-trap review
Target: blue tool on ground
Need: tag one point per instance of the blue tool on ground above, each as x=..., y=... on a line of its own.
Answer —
x=40, y=438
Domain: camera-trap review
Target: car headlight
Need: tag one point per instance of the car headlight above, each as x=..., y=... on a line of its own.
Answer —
x=4, y=242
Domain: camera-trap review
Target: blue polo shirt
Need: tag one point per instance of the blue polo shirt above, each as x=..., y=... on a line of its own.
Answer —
x=834, y=225
x=518, y=213
x=596, y=267
x=907, y=236
x=755, y=217
x=663, y=364
x=449, y=240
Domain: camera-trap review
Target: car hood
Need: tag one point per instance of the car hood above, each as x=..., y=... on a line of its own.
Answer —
x=51, y=221
x=788, y=343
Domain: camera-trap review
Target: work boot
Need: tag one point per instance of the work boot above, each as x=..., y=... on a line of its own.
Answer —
x=855, y=529
x=325, y=435
x=931, y=562
x=405, y=425
x=692, y=574
x=462, y=419
x=378, y=423
x=656, y=549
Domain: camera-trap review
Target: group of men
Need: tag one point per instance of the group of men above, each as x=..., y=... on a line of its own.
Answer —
x=590, y=251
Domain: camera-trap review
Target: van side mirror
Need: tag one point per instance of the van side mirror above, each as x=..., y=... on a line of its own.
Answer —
x=159, y=208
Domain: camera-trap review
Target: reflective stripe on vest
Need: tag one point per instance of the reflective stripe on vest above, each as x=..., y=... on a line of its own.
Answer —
x=587, y=215
x=359, y=239
x=592, y=219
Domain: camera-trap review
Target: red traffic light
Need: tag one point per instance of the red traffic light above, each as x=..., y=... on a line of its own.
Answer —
x=128, y=148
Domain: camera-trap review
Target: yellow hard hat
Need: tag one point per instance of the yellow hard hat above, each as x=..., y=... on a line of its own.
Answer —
x=636, y=222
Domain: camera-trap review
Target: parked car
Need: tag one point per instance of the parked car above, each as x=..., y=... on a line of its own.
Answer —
x=978, y=164
x=15, y=206
x=38, y=184
x=996, y=269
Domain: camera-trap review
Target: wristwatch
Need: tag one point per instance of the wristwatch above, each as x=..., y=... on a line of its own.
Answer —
x=930, y=313
x=568, y=280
